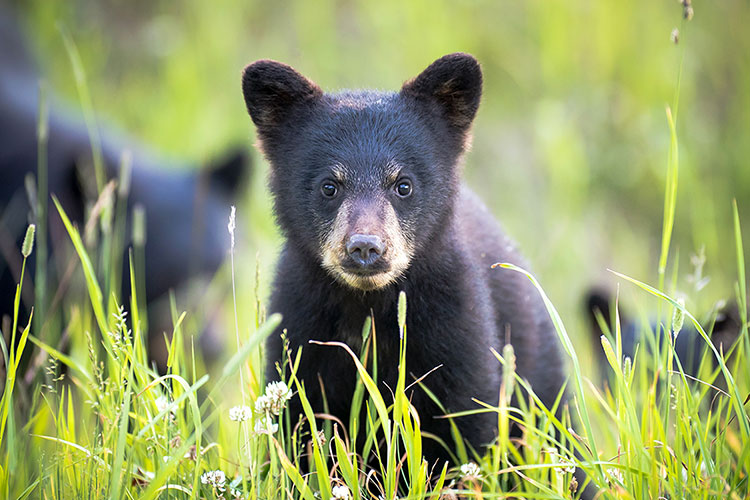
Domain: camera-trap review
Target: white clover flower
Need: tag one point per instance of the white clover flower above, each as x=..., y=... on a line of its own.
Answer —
x=279, y=394
x=341, y=492
x=279, y=391
x=240, y=413
x=215, y=478
x=470, y=471
x=274, y=400
x=266, y=425
x=263, y=405
x=236, y=494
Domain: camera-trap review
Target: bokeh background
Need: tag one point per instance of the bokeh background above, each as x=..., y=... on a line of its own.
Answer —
x=570, y=143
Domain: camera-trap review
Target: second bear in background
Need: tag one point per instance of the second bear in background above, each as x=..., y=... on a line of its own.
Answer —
x=690, y=347
x=186, y=208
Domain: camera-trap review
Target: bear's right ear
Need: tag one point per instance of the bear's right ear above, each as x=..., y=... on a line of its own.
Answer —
x=271, y=89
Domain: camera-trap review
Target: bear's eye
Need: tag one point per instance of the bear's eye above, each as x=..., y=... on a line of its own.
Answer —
x=403, y=188
x=329, y=189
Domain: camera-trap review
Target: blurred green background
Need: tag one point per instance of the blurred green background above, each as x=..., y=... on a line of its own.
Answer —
x=570, y=144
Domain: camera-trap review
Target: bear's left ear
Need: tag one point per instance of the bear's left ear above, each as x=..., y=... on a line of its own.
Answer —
x=454, y=84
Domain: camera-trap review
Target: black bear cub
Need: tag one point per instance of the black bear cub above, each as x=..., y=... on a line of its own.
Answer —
x=367, y=192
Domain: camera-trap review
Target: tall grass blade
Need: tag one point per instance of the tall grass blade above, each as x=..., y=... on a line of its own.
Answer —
x=95, y=292
x=116, y=480
x=670, y=197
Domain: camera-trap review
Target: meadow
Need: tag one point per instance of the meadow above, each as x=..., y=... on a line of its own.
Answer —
x=611, y=143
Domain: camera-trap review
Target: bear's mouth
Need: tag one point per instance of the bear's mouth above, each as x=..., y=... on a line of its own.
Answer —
x=366, y=280
x=349, y=266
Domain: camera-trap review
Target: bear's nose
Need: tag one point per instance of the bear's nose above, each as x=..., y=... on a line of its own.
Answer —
x=365, y=249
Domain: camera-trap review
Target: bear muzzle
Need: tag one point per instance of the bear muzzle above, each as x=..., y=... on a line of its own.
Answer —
x=365, y=250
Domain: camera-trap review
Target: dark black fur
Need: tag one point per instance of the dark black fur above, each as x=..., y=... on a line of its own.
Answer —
x=457, y=306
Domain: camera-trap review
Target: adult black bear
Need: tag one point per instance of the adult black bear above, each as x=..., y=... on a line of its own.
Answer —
x=186, y=212
x=367, y=192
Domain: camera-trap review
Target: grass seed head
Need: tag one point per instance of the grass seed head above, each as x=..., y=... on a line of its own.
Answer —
x=627, y=367
x=687, y=9
x=678, y=318
x=28, y=241
x=573, y=486
x=401, y=311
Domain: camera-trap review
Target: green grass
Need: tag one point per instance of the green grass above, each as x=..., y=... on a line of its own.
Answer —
x=113, y=428
x=96, y=421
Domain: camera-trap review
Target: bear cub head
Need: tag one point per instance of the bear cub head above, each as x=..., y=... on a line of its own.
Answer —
x=364, y=180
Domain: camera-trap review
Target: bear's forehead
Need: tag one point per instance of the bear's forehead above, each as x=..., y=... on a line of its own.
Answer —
x=374, y=144
x=367, y=109
x=364, y=137
x=360, y=100
x=365, y=122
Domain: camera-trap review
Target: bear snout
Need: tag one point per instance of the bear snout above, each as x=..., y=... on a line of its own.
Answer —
x=365, y=249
